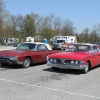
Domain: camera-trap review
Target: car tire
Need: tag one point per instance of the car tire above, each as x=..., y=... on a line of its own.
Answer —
x=26, y=63
x=4, y=64
x=86, y=69
x=55, y=68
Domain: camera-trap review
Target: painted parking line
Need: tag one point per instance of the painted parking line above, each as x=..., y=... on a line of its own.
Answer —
x=38, y=86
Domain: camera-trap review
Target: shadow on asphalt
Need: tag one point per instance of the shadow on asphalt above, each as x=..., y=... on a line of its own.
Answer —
x=19, y=66
x=69, y=71
x=64, y=71
x=11, y=67
x=95, y=67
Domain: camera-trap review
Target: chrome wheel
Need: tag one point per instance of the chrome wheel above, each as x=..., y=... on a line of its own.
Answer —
x=26, y=63
x=86, y=69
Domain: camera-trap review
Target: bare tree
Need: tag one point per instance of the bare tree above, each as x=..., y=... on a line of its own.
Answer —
x=46, y=27
x=3, y=15
x=85, y=34
x=57, y=25
x=37, y=19
x=68, y=28
x=28, y=27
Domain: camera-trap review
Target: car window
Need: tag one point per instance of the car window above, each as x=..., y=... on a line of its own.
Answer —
x=22, y=46
x=26, y=46
x=41, y=47
x=78, y=48
x=32, y=46
x=98, y=49
x=71, y=48
x=95, y=49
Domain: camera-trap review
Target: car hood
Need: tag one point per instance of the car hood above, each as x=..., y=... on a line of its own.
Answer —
x=12, y=52
x=70, y=55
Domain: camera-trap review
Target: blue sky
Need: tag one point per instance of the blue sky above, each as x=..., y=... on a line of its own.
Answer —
x=83, y=13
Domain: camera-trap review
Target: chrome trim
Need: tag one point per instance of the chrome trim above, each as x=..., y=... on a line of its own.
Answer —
x=64, y=66
x=7, y=60
x=63, y=61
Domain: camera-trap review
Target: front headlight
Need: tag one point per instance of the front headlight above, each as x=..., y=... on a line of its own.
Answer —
x=12, y=58
x=72, y=62
x=75, y=62
x=55, y=61
x=51, y=60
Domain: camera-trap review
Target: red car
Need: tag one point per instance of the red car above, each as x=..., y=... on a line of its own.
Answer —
x=76, y=56
x=26, y=53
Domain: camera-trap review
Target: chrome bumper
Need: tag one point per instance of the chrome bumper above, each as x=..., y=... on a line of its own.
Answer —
x=7, y=61
x=62, y=66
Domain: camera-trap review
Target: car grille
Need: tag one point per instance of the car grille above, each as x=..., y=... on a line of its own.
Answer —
x=4, y=59
x=64, y=61
x=59, y=61
x=55, y=45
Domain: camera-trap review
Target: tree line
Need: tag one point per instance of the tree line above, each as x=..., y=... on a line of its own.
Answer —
x=19, y=26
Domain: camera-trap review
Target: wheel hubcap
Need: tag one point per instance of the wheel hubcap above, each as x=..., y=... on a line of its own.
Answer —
x=86, y=67
x=26, y=63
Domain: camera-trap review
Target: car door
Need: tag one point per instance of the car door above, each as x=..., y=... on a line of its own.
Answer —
x=96, y=56
x=41, y=53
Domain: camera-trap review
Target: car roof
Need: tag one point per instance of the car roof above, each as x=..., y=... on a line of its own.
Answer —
x=47, y=45
x=84, y=44
x=34, y=42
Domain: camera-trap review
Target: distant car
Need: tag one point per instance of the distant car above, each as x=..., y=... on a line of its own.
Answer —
x=76, y=56
x=26, y=53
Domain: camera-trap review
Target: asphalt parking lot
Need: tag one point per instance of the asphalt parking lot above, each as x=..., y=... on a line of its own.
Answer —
x=40, y=82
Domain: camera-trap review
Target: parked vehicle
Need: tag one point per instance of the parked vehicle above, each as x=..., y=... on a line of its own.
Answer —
x=30, y=39
x=60, y=42
x=26, y=53
x=9, y=41
x=76, y=56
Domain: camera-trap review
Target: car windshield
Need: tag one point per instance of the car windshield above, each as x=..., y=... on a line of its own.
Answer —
x=59, y=41
x=26, y=46
x=76, y=47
